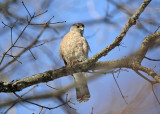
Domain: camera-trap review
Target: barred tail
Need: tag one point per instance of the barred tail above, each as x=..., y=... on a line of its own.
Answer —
x=81, y=87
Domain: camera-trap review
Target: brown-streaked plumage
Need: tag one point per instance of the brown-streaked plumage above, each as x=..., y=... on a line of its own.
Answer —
x=74, y=48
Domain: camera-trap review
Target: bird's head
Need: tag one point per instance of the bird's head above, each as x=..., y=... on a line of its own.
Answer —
x=77, y=27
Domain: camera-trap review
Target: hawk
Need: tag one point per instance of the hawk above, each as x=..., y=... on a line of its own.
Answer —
x=73, y=49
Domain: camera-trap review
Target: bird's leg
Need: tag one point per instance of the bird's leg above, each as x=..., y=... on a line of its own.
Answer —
x=74, y=62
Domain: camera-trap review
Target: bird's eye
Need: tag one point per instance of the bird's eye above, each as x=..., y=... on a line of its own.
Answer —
x=77, y=26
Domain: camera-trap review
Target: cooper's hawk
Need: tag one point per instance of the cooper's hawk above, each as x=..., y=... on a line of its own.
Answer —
x=74, y=48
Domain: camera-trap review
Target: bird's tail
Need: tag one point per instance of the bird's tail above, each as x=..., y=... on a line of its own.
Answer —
x=81, y=87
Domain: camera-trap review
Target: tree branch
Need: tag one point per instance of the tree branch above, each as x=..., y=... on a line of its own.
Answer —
x=116, y=42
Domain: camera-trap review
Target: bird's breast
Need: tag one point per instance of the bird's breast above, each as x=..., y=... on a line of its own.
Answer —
x=72, y=48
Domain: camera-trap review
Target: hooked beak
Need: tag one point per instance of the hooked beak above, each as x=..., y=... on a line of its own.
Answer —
x=81, y=28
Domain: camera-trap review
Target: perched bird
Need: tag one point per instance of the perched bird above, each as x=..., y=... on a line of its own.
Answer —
x=73, y=49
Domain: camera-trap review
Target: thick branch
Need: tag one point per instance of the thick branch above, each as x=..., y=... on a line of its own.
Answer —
x=54, y=74
x=150, y=72
x=146, y=44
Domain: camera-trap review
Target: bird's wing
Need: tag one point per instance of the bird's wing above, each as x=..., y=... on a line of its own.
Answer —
x=64, y=60
x=86, y=46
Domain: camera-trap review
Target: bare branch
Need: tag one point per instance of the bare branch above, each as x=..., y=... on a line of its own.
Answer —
x=119, y=89
x=14, y=103
x=116, y=42
x=156, y=29
x=152, y=59
x=155, y=94
x=41, y=13
x=24, y=50
x=3, y=55
x=144, y=77
x=46, y=23
x=26, y=9
x=40, y=105
x=147, y=42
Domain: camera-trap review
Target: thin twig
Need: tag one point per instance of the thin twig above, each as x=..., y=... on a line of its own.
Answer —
x=25, y=49
x=41, y=110
x=14, y=57
x=32, y=54
x=19, y=99
x=31, y=17
x=119, y=89
x=69, y=102
x=152, y=59
x=156, y=29
x=140, y=74
x=38, y=104
x=41, y=13
x=46, y=23
x=26, y=9
x=5, y=25
x=39, y=45
x=155, y=94
x=51, y=87
x=3, y=55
